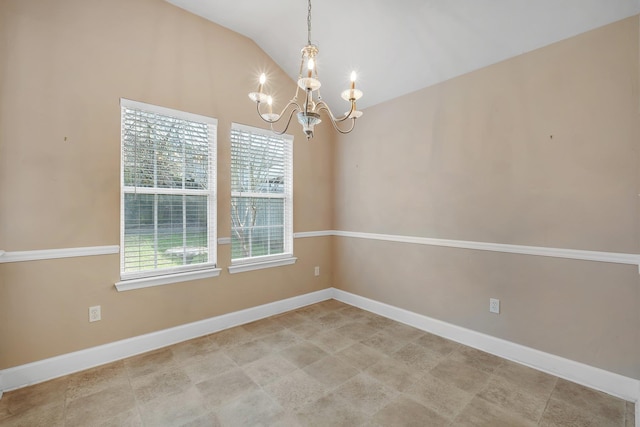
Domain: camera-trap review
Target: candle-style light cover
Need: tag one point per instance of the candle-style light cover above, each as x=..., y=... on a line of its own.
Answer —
x=310, y=66
x=263, y=79
x=259, y=96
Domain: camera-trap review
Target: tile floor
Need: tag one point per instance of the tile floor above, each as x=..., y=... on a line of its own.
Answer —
x=328, y=364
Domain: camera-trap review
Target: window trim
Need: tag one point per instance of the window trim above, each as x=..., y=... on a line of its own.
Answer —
x=262, y=259
x=143, y=279
x=259, y=265
x=166, y=279
x=240, y=265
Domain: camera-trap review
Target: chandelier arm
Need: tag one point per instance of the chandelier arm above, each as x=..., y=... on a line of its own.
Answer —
x=288, y=123
x=334, y=122
x=271, y=122
x=323, y=106
x=290, y=103
x=344, y=132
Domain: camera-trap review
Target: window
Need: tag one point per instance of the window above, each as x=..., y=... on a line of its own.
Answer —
x=168, y=205
x=261, y=198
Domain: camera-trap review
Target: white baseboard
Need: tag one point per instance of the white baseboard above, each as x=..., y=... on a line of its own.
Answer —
x=43, y=370
x=599, y=379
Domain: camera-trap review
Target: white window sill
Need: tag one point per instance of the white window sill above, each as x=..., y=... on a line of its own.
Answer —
x=146, y=282
x=241, y=268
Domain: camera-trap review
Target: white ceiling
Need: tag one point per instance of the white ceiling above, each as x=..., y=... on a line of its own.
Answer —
x=401, y=46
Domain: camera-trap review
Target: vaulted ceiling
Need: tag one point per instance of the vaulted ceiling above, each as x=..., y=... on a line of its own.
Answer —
x=401, y=46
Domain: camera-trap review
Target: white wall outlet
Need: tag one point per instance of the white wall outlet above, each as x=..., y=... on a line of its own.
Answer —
x=94, y=313
x=316, y=271
x=494, y=305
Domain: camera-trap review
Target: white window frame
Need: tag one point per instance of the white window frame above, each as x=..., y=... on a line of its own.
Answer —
x=143, y=279
x=240, y=265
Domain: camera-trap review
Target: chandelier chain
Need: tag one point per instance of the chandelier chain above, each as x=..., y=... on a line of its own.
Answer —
x=309, y=23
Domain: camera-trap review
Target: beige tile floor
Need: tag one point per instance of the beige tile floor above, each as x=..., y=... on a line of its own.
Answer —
x=327, y=364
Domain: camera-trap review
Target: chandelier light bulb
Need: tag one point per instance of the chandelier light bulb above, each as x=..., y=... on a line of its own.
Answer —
x=310, y=65
x=353, y=79
x=259, y=96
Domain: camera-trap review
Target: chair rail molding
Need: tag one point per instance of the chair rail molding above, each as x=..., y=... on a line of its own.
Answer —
x=577, y=254
x=37, y=255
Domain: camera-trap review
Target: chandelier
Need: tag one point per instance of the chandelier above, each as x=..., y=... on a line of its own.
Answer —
x=308, y=109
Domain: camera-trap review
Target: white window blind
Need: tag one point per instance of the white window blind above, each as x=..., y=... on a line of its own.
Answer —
x=261, y=195
x=168, y=206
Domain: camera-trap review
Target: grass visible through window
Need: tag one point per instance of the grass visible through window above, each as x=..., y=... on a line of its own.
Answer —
x=139, y=250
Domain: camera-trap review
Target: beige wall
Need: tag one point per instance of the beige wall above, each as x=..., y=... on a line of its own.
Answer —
x=63, y=68
x=539, y=150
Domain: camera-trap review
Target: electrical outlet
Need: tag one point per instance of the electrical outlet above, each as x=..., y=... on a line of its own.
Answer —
x=317, y=271
x=94, y=313
x=494, y=305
